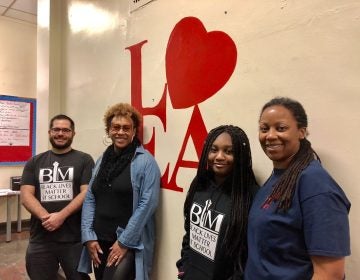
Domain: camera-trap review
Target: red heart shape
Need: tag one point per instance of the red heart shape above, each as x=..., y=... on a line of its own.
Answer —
x=198, y=63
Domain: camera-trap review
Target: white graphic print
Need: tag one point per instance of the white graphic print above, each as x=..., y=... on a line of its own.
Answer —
x=205, y=225
x=56, y=184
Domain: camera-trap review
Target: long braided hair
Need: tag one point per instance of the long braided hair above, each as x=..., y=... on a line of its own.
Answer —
x=241, y=187
x=284, y=188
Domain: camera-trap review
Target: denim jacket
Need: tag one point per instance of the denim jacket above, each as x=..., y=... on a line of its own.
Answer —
x=139, y=234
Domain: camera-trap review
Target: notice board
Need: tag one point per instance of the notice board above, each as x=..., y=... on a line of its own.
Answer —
x=17, y=129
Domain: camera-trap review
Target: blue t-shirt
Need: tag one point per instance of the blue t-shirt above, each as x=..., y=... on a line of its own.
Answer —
x=280, y=244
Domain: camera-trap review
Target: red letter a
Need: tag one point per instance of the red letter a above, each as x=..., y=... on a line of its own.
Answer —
x=198, y=132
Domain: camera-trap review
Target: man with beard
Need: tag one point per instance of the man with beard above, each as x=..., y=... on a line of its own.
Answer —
x=53, y=187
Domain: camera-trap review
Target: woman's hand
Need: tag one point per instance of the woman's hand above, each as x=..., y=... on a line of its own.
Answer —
x=117, y=253
x=94, y=249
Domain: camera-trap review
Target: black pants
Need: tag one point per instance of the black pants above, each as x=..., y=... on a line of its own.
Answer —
x=43, y=259
x=125, y=270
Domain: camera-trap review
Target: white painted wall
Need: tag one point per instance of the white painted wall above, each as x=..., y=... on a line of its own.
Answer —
x=17, y=78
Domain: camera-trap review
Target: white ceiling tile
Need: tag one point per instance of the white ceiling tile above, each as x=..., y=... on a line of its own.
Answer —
x=5, y=3
x=29, y=6
x=21, y=15
x=25, y=10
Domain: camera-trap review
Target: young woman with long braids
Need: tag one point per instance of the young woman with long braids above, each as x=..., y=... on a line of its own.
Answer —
x=298, y=223
x=216, y=208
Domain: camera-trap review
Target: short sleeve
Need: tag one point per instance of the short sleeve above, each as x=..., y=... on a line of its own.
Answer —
x=87, y=171
x=326, y=224
x=27, y=177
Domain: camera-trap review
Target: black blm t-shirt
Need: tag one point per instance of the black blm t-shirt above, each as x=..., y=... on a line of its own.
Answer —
x=57, y=179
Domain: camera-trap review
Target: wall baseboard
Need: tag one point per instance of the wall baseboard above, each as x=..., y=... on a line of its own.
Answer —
x=25, y=225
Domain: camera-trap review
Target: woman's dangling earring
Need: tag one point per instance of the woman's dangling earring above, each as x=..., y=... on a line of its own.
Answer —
x=107, y=140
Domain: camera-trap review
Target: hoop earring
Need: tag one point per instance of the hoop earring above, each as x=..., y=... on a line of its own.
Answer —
x=107, y=140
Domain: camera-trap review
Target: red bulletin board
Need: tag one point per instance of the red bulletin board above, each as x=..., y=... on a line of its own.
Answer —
x=17, y=129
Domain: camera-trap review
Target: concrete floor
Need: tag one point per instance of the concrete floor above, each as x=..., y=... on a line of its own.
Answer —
x=12, y=257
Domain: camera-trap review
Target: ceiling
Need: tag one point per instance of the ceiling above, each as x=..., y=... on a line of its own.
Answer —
x=24, y=10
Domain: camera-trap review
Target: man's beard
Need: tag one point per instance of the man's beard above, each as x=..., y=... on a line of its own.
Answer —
x=61, y=146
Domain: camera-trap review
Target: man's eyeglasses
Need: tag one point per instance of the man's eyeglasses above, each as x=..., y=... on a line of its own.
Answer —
x=58, y=129
x=118, y=128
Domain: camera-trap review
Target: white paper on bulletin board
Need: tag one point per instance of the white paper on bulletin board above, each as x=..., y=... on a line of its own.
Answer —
x=14, y=123
x=136, y=4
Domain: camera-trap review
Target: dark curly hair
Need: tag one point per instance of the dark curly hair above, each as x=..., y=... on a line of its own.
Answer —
x=125, y=110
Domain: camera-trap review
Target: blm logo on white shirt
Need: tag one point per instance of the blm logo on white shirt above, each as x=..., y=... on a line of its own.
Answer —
x=56, y=184
x=205, y=225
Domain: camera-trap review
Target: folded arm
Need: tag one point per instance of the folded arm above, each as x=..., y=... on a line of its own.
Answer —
x=31, y=203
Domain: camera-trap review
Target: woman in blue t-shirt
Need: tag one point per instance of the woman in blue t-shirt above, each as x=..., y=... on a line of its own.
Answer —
x=298, y=223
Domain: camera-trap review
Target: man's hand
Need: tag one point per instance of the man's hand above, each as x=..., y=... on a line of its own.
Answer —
x=52, y=221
